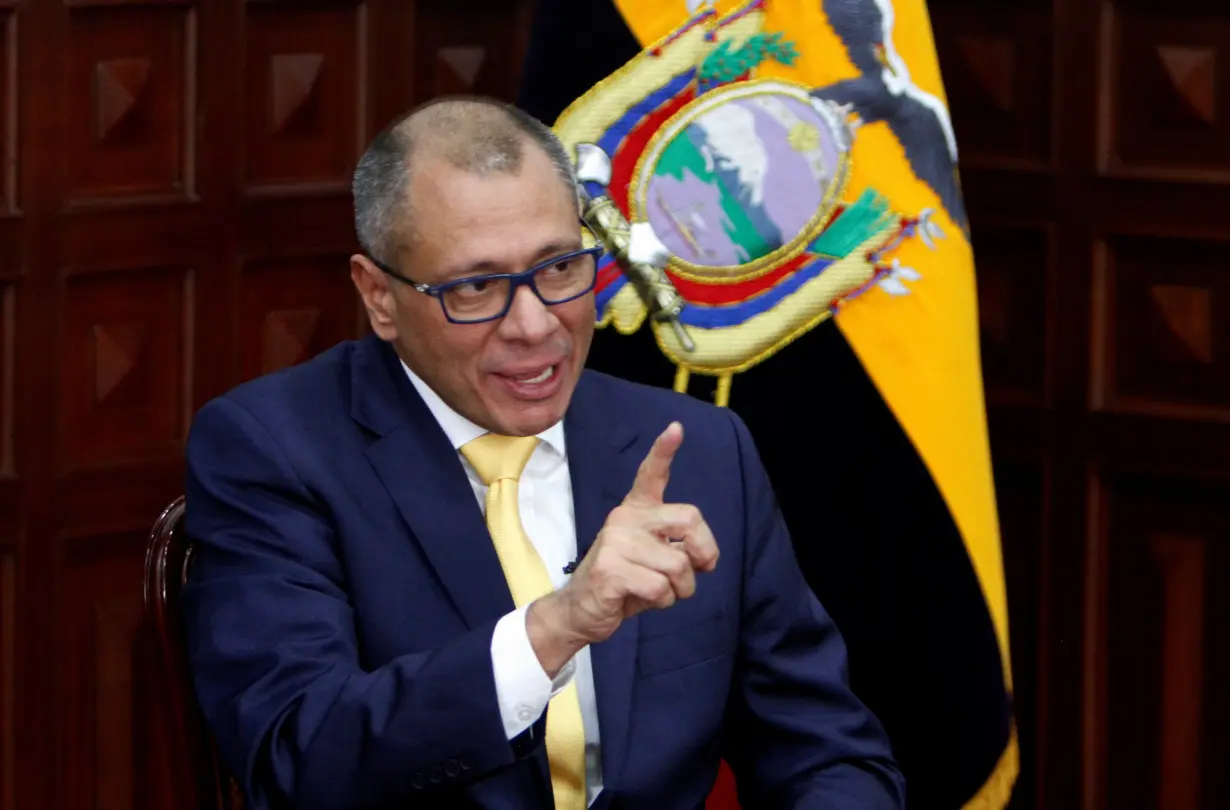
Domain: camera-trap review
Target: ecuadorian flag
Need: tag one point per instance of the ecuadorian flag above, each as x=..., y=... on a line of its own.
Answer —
x=865, y=396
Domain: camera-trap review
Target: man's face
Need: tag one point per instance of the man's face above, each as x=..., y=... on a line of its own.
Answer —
x=515, y=375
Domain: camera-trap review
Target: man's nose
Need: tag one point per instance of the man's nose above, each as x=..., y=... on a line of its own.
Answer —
x=528, y=318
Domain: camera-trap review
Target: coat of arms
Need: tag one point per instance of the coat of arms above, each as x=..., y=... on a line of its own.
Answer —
x=723, y=198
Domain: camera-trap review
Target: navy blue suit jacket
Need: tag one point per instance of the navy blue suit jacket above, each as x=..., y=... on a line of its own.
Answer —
x=345, y=591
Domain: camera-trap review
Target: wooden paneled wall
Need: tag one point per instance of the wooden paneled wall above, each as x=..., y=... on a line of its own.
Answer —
x=174, y=218
x=1095, y=138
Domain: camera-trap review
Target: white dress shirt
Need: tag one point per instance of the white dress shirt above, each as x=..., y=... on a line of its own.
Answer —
x=545, y=501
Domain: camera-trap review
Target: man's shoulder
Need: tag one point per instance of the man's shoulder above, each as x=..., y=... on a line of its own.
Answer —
x=316, y=388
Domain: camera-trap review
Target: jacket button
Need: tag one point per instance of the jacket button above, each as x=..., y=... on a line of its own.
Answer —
x=466, y=762
x=437, y=775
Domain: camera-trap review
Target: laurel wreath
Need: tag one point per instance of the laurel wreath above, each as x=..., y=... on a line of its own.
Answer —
x=725, y=63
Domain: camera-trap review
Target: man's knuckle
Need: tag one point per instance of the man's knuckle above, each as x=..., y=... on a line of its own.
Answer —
x=600, y=572
x=622, y=515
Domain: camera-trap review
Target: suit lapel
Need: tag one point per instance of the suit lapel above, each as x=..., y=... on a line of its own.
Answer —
x=602, y=470
x=424, y=477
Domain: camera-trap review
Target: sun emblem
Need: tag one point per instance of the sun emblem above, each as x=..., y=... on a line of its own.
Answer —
x=803, y=138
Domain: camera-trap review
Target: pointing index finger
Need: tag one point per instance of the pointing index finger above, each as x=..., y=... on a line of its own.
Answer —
x=655, y=471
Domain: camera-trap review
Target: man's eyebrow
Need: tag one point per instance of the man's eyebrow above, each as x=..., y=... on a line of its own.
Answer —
x=554, y=249
x=482, y=268
x=491, y=267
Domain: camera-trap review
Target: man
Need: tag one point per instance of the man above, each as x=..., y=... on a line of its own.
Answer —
x=386, y=608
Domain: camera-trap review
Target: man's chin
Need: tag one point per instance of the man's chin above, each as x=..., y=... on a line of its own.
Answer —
x=528, y=418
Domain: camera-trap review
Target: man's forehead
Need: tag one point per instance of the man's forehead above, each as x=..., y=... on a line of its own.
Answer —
x=438, y=185
x=458, y=220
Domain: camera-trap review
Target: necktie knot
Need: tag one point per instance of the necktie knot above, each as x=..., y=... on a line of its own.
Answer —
x=496, y=457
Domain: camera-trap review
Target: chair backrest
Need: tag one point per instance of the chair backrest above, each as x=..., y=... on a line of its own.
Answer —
x=201, y=783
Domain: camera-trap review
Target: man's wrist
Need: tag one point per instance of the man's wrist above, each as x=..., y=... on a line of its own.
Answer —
x=547, y=626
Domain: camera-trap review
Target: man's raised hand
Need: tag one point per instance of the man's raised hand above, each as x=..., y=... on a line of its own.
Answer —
x=646, y=556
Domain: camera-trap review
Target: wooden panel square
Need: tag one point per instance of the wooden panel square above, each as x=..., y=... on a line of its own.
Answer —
x=996, y=64
x=1011, y=267
x=106, y=703
x=468, y=48
x=8, y=111
x=1167, y=574
x=126, y=367
x=294, y=308
x=306, y=95
x=129, y=93
x=1167, y=79
x=1162, y=327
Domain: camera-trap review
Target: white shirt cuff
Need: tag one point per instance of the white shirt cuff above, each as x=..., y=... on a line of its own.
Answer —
x=522, y=687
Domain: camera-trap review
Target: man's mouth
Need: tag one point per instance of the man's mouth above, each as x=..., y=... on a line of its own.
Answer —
x=535, y=384
x=533, y=378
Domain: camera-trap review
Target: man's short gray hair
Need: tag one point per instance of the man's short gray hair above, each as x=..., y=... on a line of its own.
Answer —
x=473, y=134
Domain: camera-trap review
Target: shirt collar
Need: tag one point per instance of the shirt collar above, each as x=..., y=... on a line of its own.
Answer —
x=462, y=431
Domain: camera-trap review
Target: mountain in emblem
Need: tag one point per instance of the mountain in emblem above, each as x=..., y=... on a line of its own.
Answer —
x=741, y=179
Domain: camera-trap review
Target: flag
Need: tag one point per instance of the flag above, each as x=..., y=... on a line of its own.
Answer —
x=797, y=163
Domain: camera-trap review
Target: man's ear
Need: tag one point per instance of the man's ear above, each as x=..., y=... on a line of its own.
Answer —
x=373, y=287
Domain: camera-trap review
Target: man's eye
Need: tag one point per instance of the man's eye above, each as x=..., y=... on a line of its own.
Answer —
x=473, y=288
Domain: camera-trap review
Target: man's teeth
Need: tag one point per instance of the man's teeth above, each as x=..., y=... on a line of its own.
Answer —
x=543, y=377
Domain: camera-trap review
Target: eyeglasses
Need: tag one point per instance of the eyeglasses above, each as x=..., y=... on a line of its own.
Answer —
x=487, y=298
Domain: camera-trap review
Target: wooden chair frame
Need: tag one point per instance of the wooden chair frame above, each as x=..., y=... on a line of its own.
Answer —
x=201, y=782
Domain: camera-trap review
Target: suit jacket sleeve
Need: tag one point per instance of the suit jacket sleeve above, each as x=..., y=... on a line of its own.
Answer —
x=797, y=736
x=272, y=648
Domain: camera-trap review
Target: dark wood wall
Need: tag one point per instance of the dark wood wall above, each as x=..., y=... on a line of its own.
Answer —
x=174, y=218
x=1095, y=139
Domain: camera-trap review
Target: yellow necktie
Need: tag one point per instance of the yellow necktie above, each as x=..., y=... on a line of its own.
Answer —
x=499, y=461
